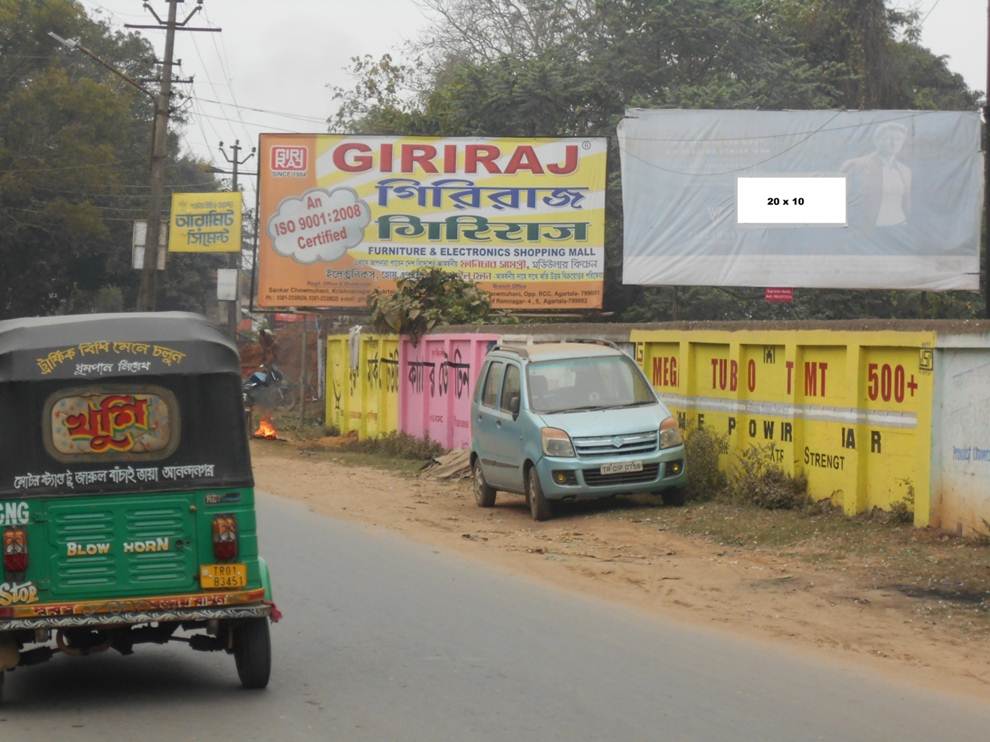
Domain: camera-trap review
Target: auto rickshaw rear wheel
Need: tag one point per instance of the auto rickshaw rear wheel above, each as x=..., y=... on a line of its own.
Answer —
x=253, y=653
x=2, y=676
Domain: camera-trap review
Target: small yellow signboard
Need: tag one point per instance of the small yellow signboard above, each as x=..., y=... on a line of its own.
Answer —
x=205, y=222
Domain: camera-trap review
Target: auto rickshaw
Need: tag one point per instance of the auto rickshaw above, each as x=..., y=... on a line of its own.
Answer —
x=126, y=494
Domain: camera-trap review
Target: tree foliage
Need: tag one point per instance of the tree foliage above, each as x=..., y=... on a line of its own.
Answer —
x=74, y=148
x=572, y=67
x=426, y=298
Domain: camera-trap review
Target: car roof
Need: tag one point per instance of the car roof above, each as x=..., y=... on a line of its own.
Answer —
x=536, y=352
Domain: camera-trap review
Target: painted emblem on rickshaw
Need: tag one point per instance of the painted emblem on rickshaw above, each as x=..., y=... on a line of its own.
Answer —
x=17, y=592
x=107, y=423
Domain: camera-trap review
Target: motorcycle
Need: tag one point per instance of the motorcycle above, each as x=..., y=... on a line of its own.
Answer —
x=267, y=387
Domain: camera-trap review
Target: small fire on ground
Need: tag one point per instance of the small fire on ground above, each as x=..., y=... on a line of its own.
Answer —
x=266, y=430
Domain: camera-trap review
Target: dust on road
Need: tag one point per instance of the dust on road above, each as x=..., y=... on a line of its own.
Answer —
x=623, y=553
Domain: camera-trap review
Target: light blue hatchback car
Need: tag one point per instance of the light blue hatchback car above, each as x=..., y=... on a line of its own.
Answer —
x=570, y=421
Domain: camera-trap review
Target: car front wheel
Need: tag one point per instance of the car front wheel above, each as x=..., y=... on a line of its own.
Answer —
x=539, y=506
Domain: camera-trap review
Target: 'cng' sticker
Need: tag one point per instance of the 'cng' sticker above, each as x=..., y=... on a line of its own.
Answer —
x=14, y=514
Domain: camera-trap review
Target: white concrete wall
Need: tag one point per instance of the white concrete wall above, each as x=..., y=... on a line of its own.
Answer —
x=961, y=435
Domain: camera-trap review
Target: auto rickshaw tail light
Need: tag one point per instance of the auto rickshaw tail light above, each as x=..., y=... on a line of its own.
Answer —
x=225, y=538
x=15, y=551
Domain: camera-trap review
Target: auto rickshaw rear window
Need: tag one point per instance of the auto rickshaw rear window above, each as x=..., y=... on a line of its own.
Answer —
x=111, y=422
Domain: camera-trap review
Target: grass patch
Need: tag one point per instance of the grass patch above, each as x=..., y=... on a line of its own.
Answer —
x=902, y=511
x=377, y=461
x=399, y=445
x=755, y=479
x=741, y=524
x=761, y=507
x=395, y=452
x=944, y=572
x=705, y=480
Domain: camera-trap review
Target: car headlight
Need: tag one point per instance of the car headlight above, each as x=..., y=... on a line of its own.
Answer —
x=670, y=434
x=556, y=442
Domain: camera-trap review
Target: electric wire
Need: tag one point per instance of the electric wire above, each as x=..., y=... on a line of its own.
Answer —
x=210, y=82
x=200, y=117
x=220, y=48
x=280, y=114
x=930, y=11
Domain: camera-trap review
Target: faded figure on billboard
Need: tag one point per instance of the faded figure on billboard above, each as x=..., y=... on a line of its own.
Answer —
x=879, y=183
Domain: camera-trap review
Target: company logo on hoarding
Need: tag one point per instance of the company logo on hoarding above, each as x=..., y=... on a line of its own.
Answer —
x=289, y=160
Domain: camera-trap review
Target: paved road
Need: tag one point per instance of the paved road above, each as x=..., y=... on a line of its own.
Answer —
x=388, y=640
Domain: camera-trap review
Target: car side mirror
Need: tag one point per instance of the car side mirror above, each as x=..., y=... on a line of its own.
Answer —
x=514, y=404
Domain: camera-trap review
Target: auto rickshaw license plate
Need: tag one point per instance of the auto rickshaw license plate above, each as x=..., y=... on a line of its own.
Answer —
x=220, y=576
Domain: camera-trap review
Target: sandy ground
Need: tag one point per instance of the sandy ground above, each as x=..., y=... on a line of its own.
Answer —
x=632, y=559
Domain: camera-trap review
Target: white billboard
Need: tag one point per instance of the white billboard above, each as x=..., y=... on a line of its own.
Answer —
x=818, y=199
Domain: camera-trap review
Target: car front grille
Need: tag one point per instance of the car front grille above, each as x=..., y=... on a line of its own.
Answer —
x=610, y=445
x=594, y=477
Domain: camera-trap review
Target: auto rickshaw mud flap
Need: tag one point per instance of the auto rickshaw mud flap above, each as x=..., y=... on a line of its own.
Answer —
x=266, y=579
x=9, y=654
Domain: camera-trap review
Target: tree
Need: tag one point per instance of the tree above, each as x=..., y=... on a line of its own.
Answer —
x=490, y=30
x=74, y=144
x=572, y=68
x=871, y=55
x=426, y=298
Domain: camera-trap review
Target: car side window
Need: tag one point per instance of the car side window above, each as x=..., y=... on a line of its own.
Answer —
x=489, y=395
x=510, y=390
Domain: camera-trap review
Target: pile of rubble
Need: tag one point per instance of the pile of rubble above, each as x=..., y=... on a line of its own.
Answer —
x=451, y=465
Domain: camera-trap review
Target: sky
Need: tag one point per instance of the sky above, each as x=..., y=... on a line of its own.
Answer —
x=281, y=56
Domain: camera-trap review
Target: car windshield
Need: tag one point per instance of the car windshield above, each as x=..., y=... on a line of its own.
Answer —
x=575, y=384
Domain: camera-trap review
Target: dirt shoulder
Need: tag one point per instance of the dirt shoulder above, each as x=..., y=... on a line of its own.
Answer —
x=886, y=595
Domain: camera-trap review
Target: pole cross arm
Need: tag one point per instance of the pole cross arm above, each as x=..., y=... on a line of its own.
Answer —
x=74, y=45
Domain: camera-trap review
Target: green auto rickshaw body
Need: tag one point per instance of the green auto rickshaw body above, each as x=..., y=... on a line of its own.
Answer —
x=126, y=493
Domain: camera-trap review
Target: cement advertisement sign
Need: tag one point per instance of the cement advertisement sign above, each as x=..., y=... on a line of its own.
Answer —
x=205, y=222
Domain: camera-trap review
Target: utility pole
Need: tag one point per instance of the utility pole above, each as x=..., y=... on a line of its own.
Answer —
x=159, y=140
x=986, y=180
x=235, y=262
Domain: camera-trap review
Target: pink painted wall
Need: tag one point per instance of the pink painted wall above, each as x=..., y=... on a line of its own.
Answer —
x=436, y=382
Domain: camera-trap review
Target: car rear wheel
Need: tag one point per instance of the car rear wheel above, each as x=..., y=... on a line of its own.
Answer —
x=484, y=495
x=253, y=653
x=539, y=506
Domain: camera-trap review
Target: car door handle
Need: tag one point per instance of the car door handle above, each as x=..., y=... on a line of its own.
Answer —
x=498, y=423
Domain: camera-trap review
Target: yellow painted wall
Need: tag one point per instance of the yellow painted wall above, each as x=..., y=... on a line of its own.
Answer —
x=363, y=398
x=851, y=410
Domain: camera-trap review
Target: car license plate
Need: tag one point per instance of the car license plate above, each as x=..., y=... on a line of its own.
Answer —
x=221, y=576
x=622, y=467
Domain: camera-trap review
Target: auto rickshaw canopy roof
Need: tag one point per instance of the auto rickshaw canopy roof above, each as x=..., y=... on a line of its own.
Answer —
x=113, y=346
